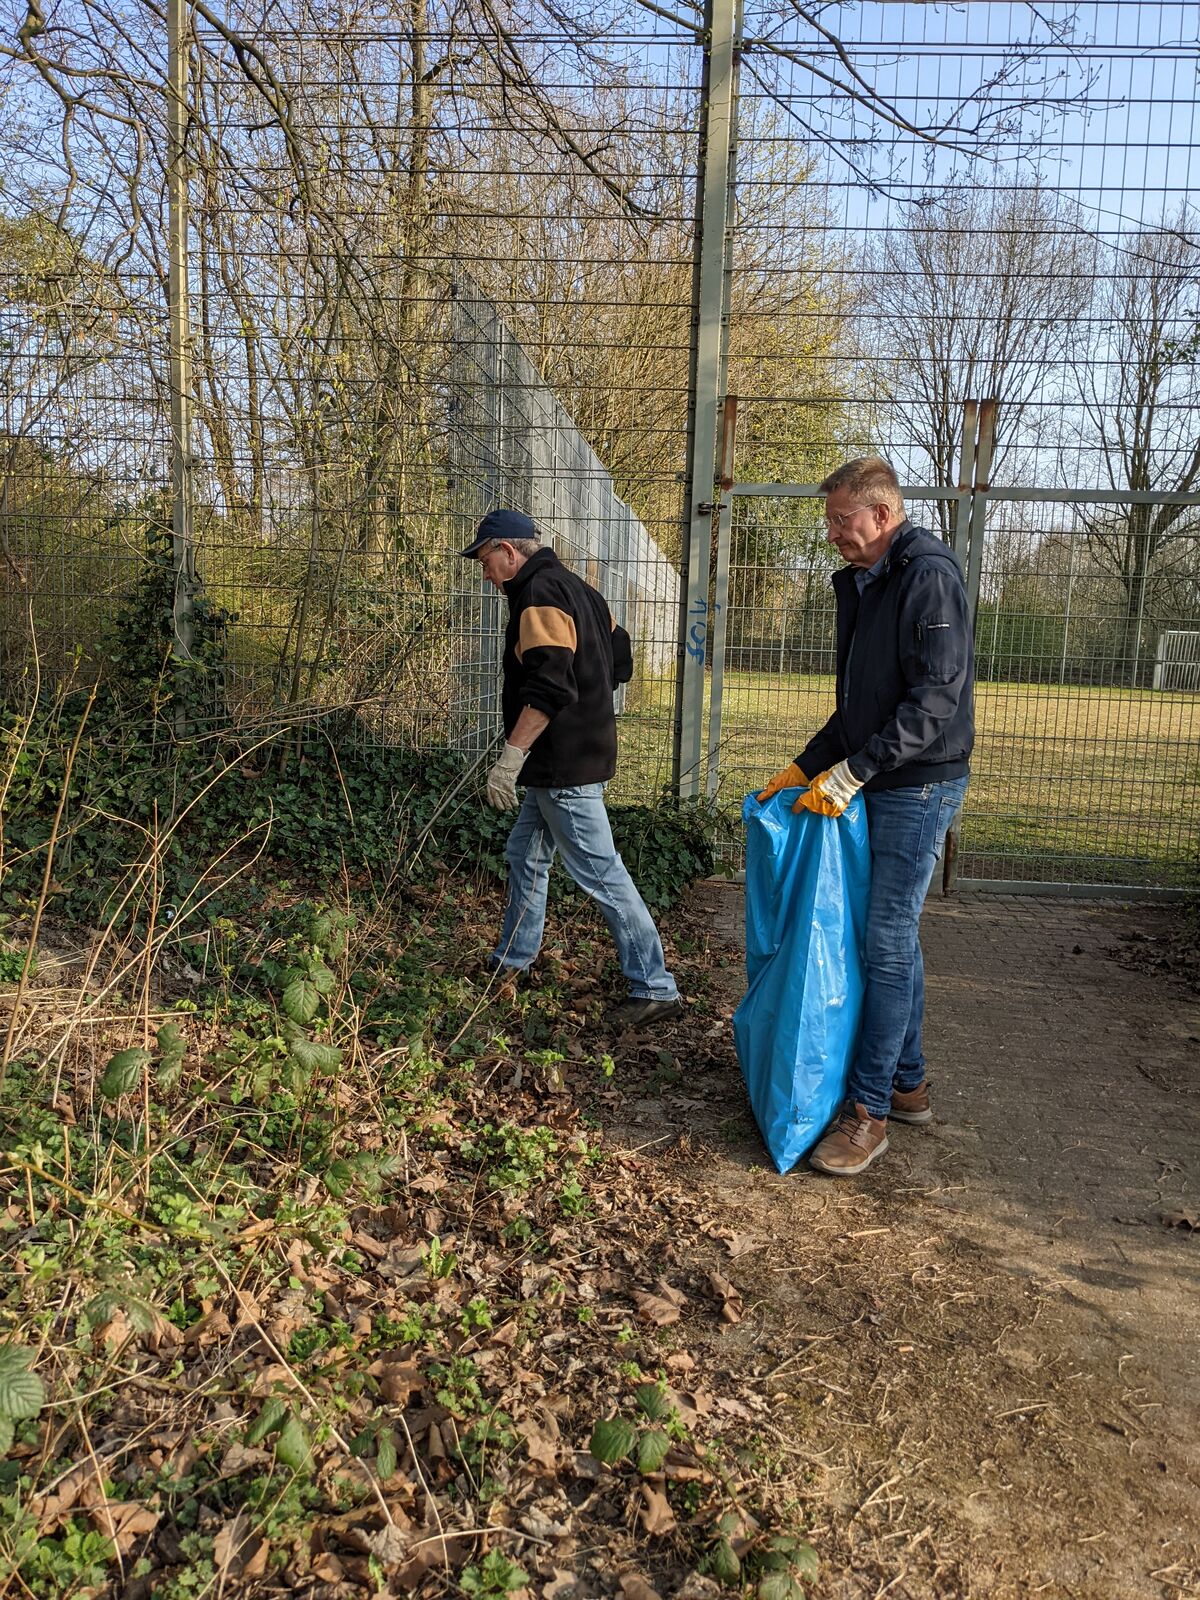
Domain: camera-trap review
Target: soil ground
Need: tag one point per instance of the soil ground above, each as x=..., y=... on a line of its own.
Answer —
x=981, y=1360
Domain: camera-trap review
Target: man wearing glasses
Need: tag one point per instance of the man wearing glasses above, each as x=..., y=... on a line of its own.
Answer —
x=902, y=732
x=564, y=655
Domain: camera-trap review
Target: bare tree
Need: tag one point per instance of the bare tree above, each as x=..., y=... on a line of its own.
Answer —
x=979, y=295
x=1137, y=393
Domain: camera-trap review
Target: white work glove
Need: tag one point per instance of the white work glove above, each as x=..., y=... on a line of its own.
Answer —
x=502, y=779
x=830, y=792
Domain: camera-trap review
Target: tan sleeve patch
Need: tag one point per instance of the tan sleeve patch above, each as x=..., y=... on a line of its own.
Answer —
x=545, y=627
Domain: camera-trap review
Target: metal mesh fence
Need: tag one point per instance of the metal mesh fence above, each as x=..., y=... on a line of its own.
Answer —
x=444, y=257
x=1053, y=267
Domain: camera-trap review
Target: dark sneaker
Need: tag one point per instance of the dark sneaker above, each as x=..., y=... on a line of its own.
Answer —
x=850, y=1146
x=911, y=1105
x=645, y=1013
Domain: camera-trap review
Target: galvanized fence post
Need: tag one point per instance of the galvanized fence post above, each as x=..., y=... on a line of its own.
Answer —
x=180, y=336
x=720, y=600
x=709, y=329
x=982, y=484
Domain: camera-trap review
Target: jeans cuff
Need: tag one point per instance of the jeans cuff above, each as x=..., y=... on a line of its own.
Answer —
x=909, y=1078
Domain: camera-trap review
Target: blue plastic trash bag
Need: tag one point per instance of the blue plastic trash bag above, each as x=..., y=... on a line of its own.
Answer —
x=808, y=880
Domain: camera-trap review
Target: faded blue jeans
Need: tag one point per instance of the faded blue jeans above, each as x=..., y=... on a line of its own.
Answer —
x=574, y=822
x=907, y=827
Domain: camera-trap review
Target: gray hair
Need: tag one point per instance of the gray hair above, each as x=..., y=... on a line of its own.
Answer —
x=870, y=479
x=524, y=547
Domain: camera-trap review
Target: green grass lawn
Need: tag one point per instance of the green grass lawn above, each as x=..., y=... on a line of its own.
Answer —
x=1067, y=784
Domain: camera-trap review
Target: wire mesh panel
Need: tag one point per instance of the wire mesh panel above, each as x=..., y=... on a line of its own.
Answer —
x=514, y=444
x=84, y=445
x=342, y=170
x=990, y=201
x=1085, y=772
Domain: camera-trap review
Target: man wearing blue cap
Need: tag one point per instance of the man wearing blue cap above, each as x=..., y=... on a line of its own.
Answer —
x=564, y=655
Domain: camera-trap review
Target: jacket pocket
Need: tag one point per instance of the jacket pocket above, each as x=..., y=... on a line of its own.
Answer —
x=938, y=649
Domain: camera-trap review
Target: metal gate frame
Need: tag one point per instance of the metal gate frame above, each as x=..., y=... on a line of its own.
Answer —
x=970, y=499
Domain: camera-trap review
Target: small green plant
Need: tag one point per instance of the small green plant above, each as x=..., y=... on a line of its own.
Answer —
x=457, y=1386
x=645, y=1440
x=292, y=1447
x=496, y=1576
x=22, y=1393
x=439, y=1262
x=12, y=963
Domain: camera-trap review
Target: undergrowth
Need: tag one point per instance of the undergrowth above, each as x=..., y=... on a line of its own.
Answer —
x=316, y=1275
x=149, y=761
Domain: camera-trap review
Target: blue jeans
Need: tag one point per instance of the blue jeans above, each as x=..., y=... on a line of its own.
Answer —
x=574, y=822
x=907, y=827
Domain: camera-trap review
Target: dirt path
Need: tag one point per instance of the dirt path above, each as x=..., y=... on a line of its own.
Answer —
x=982, y=1360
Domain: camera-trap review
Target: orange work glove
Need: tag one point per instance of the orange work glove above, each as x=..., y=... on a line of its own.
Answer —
x=830, y=792
x=790, y=778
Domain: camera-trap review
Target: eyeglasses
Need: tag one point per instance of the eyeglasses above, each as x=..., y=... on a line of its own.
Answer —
x=839, y=519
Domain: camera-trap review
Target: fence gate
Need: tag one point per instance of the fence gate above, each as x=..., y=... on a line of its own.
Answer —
x=1085, y=774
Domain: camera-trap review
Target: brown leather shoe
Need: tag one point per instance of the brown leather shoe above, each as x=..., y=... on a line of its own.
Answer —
x=911, y=1105
x=851, y=1145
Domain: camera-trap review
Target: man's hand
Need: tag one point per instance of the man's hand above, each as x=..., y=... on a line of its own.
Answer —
x=830, y=792
x=502, y=779
x=790, y=778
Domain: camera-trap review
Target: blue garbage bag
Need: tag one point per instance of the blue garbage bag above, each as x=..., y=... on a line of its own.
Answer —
x=808, y=881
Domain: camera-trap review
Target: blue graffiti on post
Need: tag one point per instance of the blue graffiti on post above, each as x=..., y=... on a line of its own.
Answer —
x=698, y=632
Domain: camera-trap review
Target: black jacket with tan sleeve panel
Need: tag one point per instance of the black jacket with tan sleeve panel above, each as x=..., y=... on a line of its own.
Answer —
x=564, y=654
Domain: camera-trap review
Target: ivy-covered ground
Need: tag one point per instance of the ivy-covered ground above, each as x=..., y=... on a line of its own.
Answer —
x=319, y=1277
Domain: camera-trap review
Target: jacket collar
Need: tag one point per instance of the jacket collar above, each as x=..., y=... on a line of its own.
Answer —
x=536, y=563
x=903, y=537
x=905, y=533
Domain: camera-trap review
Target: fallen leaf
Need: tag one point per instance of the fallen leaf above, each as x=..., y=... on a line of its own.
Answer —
x=125, y=1522
x=239, y=1552
x=52, y=1507
x=542, y=1451
x=635, y=1587
x=741, y=1244
x=560, y=1586
x=669, y=1292
x=698, y=1587
x=1182, y=1219
x=389, y=1544
x=656, y=1514
x=242, y=1458
x=733, y=1408
x=731, y=1299
x=207, y=1330
x=400, y=1379
x=539, y=1526
x=654, y=1309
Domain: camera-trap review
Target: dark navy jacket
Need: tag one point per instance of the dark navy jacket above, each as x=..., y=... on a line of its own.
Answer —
x=564, y=653
x=905, y=694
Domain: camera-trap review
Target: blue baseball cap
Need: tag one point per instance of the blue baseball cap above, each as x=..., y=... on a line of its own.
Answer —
x=500, y=525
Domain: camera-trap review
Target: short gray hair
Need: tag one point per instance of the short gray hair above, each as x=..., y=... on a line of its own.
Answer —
x=870, y=479
x=524, y=547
